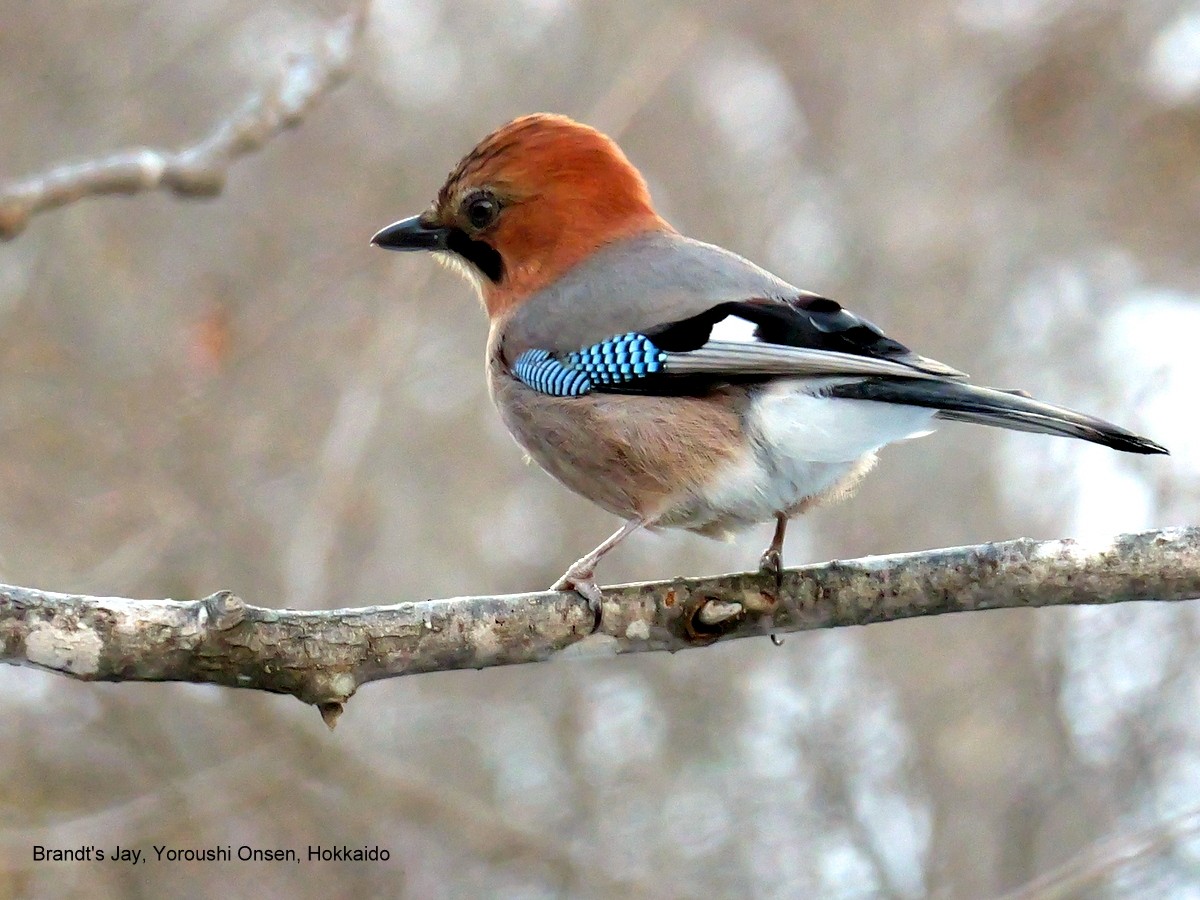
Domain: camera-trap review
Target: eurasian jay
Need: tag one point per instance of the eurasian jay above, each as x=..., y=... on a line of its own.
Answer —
x=672, y=382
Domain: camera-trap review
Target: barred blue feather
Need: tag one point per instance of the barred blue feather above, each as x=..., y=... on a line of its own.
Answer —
x=617, y=360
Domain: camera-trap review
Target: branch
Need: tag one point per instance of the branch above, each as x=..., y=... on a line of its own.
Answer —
x=321, y=657
x=1101, y=861
x=199, y=170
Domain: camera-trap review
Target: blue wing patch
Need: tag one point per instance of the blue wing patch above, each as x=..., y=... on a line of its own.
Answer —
x=617, y=360
x=547, y=374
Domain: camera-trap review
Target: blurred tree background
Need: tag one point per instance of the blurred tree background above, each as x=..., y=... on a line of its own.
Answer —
x=240, y=393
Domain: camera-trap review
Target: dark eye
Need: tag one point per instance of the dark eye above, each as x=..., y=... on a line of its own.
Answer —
x=481, y=210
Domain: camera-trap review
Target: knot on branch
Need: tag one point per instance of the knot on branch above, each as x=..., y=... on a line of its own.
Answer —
x=329, y=693
x=706, y=618
x=224, y=610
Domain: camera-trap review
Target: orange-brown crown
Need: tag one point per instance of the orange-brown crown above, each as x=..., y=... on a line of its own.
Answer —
x=563, y=190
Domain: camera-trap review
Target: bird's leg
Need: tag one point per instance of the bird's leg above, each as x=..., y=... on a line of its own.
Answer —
x=771, y=563
x=581, y=577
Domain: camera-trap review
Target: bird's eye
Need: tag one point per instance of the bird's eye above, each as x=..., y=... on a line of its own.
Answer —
x=481, y=210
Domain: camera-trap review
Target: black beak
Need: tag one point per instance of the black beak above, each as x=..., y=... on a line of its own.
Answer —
x=411, y=234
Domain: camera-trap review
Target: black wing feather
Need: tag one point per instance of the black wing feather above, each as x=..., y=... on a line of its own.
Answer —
x=1014, y=410
x=812, y=322
x=807, y=321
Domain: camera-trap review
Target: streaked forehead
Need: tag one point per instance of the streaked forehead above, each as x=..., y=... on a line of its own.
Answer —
x=485, y=155
x=519, y=137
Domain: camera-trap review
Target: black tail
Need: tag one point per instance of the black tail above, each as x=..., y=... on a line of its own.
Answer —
x=988, y=406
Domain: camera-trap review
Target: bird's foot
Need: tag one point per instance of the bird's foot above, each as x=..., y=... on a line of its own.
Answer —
x=770, y=564
x=582, y=580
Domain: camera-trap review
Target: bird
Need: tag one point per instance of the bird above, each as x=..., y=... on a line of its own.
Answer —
x=670, y=381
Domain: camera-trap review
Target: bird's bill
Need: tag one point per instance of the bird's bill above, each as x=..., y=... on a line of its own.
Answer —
x=411, y=234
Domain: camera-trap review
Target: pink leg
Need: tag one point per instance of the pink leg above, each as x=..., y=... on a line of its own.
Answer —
x=771, y=562
x=581, y=577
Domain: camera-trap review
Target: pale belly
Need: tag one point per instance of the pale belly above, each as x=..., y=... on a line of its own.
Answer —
x=703, y=464
x=801, y=449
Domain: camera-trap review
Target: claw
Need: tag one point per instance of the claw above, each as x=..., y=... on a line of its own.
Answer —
x=584, y=584
x=771, y=565
x=581, y=577
x=771, y=562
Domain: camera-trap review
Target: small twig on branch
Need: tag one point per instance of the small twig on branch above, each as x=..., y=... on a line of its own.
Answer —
x=321, y=657
x=199, y=170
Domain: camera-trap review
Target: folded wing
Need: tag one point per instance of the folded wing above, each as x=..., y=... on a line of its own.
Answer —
x=758, y=341
x=734, y=342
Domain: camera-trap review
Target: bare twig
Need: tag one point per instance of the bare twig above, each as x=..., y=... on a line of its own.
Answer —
x=321, y=657
x=1101, y=861
x=199, y=170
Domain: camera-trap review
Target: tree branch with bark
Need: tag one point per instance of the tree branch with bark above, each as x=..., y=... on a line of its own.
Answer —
x=322, y=657
x=201, y=169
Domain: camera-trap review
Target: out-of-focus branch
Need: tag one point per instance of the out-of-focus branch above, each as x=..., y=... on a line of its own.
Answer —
x=257, y=773
x=322, y=657
x=1101, y=861
x=199, y=170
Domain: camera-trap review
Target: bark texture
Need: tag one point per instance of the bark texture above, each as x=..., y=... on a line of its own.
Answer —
x=321, y=657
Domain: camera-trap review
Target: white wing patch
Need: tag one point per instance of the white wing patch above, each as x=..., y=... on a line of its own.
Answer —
x=796, y=423
x=734, y=329
x=803, y=444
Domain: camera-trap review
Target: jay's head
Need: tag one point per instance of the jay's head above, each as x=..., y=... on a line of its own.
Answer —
x=533, y=198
